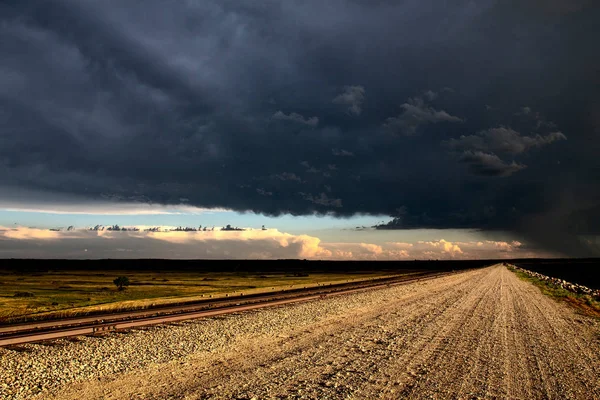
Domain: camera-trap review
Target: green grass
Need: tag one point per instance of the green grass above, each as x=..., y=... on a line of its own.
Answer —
x=585, y=303
x=59, y=294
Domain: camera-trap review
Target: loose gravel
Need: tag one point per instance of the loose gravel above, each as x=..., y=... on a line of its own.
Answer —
x=481, y=333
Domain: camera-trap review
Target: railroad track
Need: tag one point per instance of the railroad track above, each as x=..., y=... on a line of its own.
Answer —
x=50, y=330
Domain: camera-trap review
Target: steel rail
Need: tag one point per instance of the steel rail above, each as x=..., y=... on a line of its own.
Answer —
x=196, y=305
x=58, y=329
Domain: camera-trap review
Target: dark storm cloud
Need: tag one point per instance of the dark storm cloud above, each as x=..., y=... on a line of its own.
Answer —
x=287, y=176
x=489, y=164
x=352, y=97
x=416, y=112
x=322, y=199
x=295, y=117
x=480, y=151
x=341, y=153
x=503, y=140
x=210, y=100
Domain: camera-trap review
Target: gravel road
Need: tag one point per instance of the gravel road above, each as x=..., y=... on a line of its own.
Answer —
x=476, y=334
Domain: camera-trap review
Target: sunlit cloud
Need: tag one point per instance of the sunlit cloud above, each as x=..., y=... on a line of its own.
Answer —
x=165, y=242
x=22, y=233
x=444, y=246
x=309, y=246
x=372, y=248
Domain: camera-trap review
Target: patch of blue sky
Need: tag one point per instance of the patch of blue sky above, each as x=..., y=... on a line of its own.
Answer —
x=174, y=217
x=327, y=228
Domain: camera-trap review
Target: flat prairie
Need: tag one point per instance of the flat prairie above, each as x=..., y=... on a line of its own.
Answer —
x=26, y=296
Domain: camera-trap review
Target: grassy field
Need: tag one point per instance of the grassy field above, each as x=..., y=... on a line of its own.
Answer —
x=57, y=294
x=584, y=303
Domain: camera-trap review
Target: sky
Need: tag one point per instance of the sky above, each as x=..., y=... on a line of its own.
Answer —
x=349, y=129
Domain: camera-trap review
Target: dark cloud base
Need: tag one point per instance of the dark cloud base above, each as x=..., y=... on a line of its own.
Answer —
x=456, y=115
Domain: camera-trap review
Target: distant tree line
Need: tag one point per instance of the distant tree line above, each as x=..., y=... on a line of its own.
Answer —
x=200, y=228
x=230, y=228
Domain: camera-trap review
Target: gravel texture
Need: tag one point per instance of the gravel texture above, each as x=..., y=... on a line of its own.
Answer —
x=477, y=334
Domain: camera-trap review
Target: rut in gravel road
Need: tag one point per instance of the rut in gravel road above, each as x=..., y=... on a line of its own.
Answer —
x=481, y=333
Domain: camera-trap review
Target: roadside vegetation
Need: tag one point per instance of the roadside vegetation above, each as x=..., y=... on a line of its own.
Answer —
x=583, y=302
x=60, y=294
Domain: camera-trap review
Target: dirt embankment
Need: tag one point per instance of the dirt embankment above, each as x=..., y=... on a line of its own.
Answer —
x=482, y=333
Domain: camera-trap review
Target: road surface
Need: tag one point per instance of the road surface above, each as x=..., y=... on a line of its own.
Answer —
x=477, y=334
